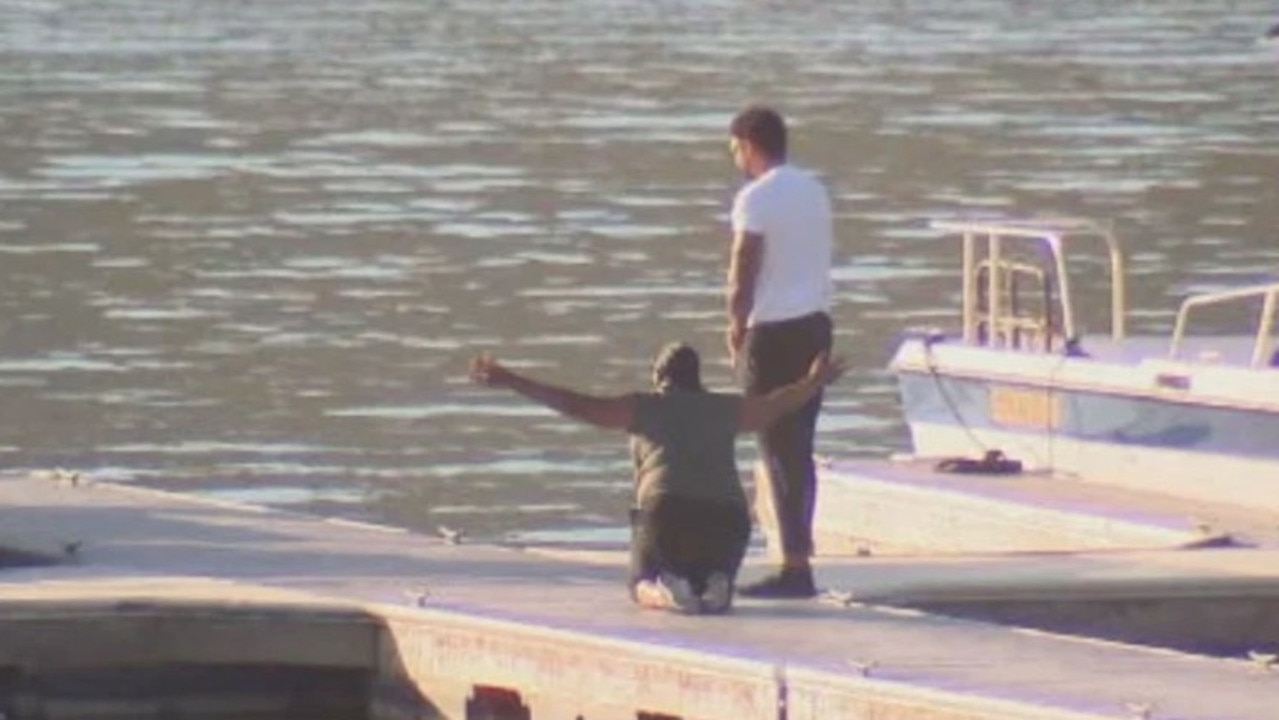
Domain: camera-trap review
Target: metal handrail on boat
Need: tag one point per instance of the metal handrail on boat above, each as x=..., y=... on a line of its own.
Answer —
x=1015, y=328
x=1261, y=346
x=1052, y=234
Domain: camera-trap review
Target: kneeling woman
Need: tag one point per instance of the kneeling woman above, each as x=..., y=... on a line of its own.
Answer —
x=690, y=524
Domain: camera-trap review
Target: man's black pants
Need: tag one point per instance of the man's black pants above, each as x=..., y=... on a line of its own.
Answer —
x=778, y=354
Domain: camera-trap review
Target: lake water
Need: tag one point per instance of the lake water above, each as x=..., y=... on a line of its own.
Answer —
x=247, y=247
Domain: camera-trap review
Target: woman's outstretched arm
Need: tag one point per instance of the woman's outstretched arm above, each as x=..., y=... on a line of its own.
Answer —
x=761, y=411
x=614, y=413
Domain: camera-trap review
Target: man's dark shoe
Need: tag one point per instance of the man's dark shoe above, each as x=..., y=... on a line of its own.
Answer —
x=787, y=584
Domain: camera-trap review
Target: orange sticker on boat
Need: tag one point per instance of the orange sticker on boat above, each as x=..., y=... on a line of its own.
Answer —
x=1025, y=408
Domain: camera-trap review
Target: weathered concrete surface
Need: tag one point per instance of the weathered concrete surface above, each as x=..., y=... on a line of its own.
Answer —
x=816, y=695
x=884, y=506
x=133, y=648
x=1226, y=604
x=558, y=670
x=453, y=617
x=97, y=623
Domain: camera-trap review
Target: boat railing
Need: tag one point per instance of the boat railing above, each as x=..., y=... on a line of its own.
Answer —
x=987, y=315
x=1019, y=327
x=1265, y=323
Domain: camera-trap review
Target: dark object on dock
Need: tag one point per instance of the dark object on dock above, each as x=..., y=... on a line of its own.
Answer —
x=992, y=463
x=496, y=703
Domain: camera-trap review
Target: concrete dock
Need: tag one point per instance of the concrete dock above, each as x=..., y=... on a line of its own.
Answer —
x=203, y=598
x=906, y=506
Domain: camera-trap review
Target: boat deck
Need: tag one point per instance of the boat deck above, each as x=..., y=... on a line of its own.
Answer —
x=555, y=625
x=1231, y=350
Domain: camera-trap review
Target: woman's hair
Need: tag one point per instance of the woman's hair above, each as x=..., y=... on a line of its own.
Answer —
x=678, y=366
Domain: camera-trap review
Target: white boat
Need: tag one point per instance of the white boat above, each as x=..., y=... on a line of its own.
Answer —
x=1195, y=416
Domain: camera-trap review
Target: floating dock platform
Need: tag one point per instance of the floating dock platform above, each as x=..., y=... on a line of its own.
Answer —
x=120, y=602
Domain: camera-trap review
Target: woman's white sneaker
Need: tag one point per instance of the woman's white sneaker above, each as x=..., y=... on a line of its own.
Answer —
x=718, y=596
x=668, y=592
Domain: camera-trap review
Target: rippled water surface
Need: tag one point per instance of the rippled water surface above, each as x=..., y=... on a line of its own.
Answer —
x=247, y=247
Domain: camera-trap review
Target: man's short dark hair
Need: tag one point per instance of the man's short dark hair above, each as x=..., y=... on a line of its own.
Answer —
x=677, y=365
x=764, y=128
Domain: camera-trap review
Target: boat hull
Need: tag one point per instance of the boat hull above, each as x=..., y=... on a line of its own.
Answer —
x=1203, y=431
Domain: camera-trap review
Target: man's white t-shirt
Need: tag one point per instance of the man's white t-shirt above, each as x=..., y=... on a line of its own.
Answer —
x=791, y=209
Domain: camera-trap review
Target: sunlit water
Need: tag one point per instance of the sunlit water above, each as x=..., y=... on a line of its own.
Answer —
x=246, y=248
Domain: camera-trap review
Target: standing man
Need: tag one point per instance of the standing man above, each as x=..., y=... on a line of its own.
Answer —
x=779, y=321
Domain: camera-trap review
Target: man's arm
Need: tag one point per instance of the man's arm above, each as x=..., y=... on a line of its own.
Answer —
x=761, y=411
x=613, y=413
x=743, y=271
